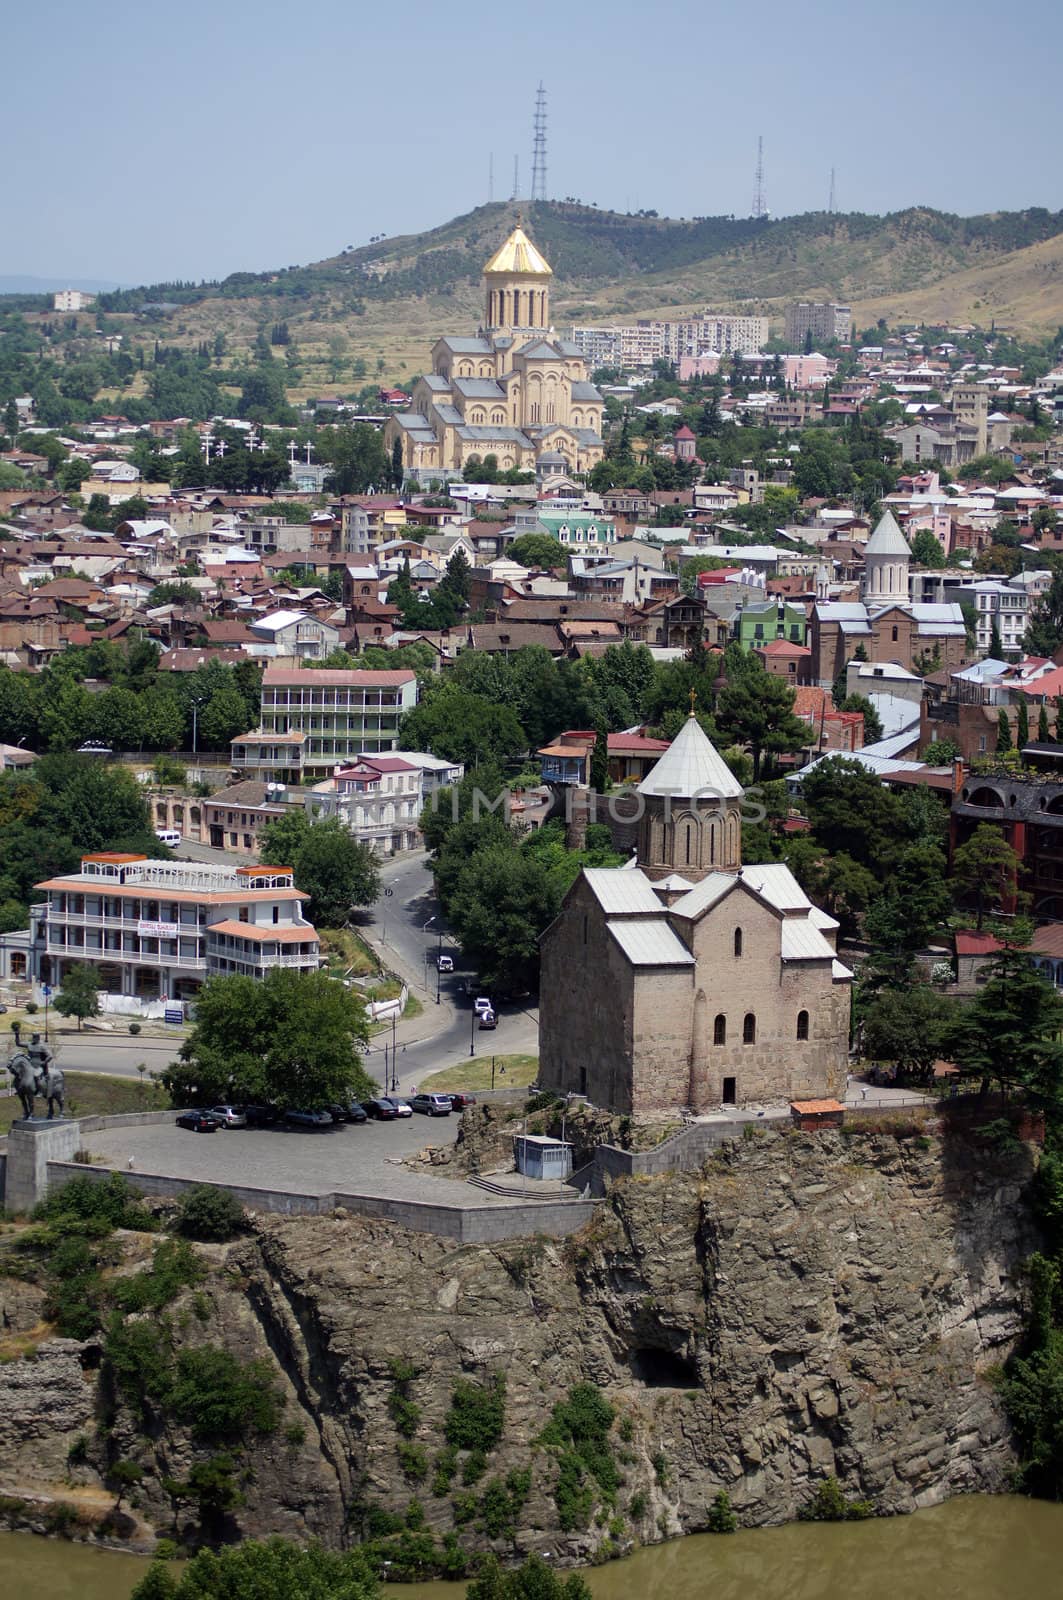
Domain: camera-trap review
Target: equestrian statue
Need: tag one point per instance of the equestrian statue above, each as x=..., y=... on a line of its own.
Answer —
x=35, y=1073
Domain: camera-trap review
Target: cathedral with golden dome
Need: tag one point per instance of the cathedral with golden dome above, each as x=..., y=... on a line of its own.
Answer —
x=515, y=391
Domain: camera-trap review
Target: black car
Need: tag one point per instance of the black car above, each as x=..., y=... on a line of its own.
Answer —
x=356, y=1112
x=261, y=1116
x=198, y=1121
x=381, y=1110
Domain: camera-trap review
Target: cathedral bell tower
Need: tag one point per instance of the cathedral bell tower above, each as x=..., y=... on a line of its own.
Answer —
x=517, y=289
x=692, y=822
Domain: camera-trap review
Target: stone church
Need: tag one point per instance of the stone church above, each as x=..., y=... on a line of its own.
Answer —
x=690, y=979
x=515, y=391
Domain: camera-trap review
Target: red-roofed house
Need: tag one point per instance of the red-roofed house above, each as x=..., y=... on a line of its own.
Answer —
x=975, y=950
x=785, y=660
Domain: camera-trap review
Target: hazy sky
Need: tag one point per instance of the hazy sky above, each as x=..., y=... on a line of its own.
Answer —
x=147, y=142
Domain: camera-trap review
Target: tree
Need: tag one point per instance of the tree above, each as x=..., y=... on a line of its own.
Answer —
x=1022, y=732
x=926, y=549
x=532, y=1580
x=1010, y=1032
x=122, y=1476
x=756, y=709
x=79, y=996
x=459, y=726
x=290, y=1040
x=1044, y=733
x=329, y=863
x=536, y=550
x=274, y=1570
x=501, y=903
x=872, y=720
x=1003, y=732
x=600, y=761
x=907, y=1027
x=940, y=753
x=72, y=474
x=223, y=717
x=396, y=464
x=996, y=644
x=986, y=866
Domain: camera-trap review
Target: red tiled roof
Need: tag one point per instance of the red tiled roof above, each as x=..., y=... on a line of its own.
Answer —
x=782, y=647
x=338, y=678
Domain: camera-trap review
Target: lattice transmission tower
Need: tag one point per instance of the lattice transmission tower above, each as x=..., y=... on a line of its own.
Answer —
x=538, y=183
x=760, y=205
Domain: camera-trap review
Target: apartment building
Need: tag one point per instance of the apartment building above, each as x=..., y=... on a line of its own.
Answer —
x=823, y=319
x=1001, y=606
x=378, y=798
x=156, y=929
x=641, y=344
x=340, y=714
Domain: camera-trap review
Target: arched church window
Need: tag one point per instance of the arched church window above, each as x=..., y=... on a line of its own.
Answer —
x=895, y=634
x=738, y=941
x=802, y=1024
x=687, y=843
x=719, y=1030
x=749, y=1029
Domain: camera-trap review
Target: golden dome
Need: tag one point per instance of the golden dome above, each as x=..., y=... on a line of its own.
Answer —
x=518, y=254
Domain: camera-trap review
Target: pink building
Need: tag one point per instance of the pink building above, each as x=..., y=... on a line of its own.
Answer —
x=807, y=372
x=703, y=366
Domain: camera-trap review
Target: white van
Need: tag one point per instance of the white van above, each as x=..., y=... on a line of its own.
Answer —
x=168, y=836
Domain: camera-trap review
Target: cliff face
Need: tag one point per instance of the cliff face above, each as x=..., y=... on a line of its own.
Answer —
x=805, y=1305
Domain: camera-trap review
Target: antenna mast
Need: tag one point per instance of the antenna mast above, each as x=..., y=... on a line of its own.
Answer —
x=760, y=206
x=830, y=205
x=490, y=177
x=538, y=184
x=516, y=177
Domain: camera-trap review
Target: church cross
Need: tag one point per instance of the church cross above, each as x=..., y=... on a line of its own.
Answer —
x=693, y=700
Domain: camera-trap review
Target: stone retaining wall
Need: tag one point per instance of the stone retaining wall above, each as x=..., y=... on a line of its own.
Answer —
x=468, y=1224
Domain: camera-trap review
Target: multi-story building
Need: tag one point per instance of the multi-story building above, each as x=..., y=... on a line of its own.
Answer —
x=72, y=300
x=378, y=798
x=599, y=347
x=293, y=633
x=823, y=319
x=340, y=714
x=156, y=930
x=642, y=343
x=1001, y=606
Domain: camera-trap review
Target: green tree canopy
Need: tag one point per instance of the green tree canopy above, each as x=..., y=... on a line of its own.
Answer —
x=275, y=1570
x=290, y=1039
x=537, y=550
x=79, y=996
x=330, y=864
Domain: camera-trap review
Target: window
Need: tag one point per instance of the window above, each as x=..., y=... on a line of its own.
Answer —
x=719, y=1030
x=749, y=1029
x=738, y=941
x=730, y=1094
x=895, y=635
x=244, y=914
x=585, y=930
x=802, y=1024
x=277, y=917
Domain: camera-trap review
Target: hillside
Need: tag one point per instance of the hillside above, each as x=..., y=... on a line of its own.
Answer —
x=375, y=310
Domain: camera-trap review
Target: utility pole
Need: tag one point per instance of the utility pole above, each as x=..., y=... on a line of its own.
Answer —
x=538, y=184
x=760, y=205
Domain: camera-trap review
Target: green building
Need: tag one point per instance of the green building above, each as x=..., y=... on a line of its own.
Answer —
x=768, y=620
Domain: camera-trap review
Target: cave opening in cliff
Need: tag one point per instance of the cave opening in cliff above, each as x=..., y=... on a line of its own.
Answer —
x=663, y=1369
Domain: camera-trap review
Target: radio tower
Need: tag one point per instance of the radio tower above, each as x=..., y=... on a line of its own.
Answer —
x=538, y=183
x=830, y=203
x=760, y=207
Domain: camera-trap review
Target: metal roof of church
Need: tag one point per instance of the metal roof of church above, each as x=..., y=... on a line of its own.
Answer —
x=692, y=766
x=887, y=539
x=650, y=943
x=518, y=254
x=620, y=892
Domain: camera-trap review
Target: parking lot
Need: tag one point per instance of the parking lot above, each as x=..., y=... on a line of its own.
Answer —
x=361, y=1158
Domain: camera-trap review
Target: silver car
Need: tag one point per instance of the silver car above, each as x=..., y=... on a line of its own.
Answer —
x=228, y=1117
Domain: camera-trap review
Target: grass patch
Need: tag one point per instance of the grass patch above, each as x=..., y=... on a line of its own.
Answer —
x=511, y=1072
x=348, y=953
x=92, y=1094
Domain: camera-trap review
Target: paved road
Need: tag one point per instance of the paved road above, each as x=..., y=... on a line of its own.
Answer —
x=117, y=1057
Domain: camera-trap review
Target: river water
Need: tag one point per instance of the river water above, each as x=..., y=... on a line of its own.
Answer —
x=975, y=1548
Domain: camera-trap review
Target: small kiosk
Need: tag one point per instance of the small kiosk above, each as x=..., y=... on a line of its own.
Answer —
x=539, y=1157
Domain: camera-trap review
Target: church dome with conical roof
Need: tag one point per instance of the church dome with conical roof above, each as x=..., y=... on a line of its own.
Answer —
x=519, y=255
x=692, y=822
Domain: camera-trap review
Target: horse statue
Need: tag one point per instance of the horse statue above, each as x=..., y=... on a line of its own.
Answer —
x=35, y=1073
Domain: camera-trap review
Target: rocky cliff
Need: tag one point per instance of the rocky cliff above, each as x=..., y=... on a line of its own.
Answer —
x=805, y=1305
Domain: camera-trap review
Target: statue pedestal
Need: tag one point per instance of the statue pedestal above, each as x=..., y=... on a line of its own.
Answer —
x=31, y=1144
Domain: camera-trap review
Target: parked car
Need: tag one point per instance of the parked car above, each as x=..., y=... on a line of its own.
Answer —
x=308, y=1119
x=444, y=963
x=488, y=1019
x=458, y=1102
x=403, y=1107
x=229, y=1116
x=433, y=1105
x=381, y=1109
x=197, y=1122
x=261, y=1116
x=482, y=1004
x=356, y=1113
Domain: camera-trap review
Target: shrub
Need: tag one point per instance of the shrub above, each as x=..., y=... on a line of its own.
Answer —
x=413, y=1459
x=220, y=1397
x=446, y=1466
x=273, y=1567
x=474, y=1468
x=503, y=1501
x=477, y=1414
x=174, y=1266
x=579, y=1427
x=721, y=1517
x=111, y=1201
x=210, y=1215
x=829, y=1504
x=660, y=1468
x=465, y=1508
x=637, y=1508
x=134, y=1027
